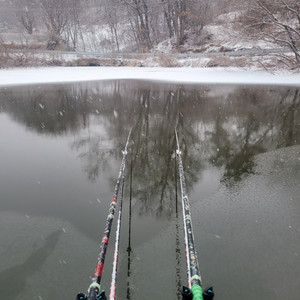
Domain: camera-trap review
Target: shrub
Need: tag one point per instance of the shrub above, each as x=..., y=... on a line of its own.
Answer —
x=167, y=60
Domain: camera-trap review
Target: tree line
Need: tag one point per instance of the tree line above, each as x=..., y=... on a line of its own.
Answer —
x=140, y=25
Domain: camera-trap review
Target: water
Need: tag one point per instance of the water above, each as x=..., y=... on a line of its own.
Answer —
x=60, y=152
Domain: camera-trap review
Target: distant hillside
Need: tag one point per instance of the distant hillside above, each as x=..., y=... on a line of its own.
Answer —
x=152, y=26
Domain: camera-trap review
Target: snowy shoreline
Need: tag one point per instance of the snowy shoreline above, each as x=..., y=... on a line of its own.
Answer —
x=176, y=75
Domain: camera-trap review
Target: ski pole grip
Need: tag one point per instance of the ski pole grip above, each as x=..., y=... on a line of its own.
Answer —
x=197, y=292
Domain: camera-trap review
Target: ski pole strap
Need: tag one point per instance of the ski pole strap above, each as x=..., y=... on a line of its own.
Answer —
x=93, y=291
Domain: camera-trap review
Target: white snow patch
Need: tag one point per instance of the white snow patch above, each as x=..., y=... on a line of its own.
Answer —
x=231, y=16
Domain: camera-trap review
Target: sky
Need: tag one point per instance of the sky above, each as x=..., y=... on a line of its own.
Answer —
x=176, y=75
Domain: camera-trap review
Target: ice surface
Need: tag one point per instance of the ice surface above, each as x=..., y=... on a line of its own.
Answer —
x=183, y=75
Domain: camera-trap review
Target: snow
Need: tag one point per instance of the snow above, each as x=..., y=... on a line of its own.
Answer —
x=176, y=75
x=229, y=32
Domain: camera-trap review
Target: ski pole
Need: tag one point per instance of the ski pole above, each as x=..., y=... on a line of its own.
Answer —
x=194, y=290
x=94, y=288
x=112, y=294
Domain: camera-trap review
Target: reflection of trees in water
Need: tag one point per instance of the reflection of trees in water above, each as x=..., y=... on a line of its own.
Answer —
x=263, y=120
x=237, y=140
x=45, y=110
x=92, y=154
x=226, y=129
x=153, y=149
x=289, y=115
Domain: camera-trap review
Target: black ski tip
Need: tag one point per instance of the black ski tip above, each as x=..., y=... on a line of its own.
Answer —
x=208, y=293
x=186, y=293
x=102, y=296
x=81, y=296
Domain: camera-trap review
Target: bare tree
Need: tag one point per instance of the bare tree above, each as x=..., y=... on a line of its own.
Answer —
x=175, y=14
x=27, y=20
x=73, y=25
x=56, y=17
x=26, y=10
x=111, y=15
x=183, y=16
x=198, y=14
x=279, y=22
x=138, y=11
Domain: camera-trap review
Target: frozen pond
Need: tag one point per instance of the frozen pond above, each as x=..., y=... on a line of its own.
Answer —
x=60, y=152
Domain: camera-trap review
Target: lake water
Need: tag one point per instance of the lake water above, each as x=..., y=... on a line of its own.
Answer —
x=60, y=153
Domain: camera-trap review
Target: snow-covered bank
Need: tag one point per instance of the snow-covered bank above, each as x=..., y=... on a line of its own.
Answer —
x=176, y=75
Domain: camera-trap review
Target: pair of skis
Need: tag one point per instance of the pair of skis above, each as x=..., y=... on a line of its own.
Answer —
x=194, y=290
